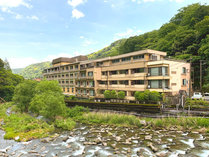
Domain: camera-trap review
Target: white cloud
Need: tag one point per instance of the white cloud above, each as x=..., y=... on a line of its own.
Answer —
x=75, y=3
x=81, y=37
x=178, y=1
x=21, y=62
x=18, y=16
x=128, y=33
x=1, y=18
x=13, y=3
x=77, y=14
x=33, y=17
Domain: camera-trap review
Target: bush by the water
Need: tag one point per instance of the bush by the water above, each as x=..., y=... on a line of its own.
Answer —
x=22, y=126
x=66, y=124
x=76, y=111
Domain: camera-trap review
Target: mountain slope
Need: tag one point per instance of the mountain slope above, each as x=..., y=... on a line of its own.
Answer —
x=111, y=50
x=17, y=70
x=34, y=70
x=185, y=36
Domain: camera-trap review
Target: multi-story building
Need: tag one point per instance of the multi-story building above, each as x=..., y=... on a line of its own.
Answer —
x=131, y=72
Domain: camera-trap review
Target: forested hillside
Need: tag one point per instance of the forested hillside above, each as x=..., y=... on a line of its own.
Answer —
x=185, y=36
x=34, y=70
x=8, y=81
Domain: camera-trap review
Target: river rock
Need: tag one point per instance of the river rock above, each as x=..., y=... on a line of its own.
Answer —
x=150, y=144
x=117, y=138
x=143, y=122
x=148, y=137
x=65, y=138
x=161, y=154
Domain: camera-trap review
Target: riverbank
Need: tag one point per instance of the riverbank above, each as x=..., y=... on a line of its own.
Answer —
x=24, y=127
x=108, y=140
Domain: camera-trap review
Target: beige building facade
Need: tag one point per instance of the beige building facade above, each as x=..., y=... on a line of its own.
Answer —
x=131, y=72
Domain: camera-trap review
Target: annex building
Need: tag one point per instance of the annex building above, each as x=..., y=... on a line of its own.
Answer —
x=131, y=72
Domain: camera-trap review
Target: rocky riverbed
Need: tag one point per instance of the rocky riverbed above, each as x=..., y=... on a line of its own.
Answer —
x=104, y=140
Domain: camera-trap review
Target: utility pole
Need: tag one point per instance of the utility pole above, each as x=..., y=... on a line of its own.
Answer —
x=190, y=80
x=200, y=75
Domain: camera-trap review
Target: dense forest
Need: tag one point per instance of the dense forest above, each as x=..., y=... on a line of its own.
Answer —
x=185, y=37
x=8, y=81
x=33, y=71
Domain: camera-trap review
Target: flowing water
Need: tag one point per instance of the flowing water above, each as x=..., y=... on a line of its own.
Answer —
x=104, y=140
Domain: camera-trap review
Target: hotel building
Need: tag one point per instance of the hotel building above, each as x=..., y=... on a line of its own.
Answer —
x=131, y=72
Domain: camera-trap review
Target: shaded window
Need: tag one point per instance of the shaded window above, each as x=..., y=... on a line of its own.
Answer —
x=184, y=70
x=126, y=59
x=137, y=82
x=115, y=61
x=184, y=82
x=138, y=57
x=137, y=70
x=123, y=72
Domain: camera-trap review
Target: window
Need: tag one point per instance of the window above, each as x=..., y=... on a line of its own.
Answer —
x=91, y=92
x=71, y=67
x=90, y=73
x=138, y=70
x=158, y=71
x=71, y=75
x=67, y=81
x=115, y=61
x=113, y=82
x=113, y=73
x=184, y=70
x=123, y=72
x=67, y=68
x=124, y=82
x=158, y=84
x=63, y=82
x=63, y=75
x=72, y=90
x=137, y=82
x=99, y=64
x=67, y=75
x=126, y=59
x=102, y=82
x=138, y=57
x=184, y=82
x=68, y=90
x=104, y=73
x=91, y=83
x=63, y=89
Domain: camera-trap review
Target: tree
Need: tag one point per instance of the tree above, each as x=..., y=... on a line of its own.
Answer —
x=8, y=81
x=154, y=96
x=49, y=104
x=205, y=88
x=121, y=95
x=24, y=92
x=6, y=65
x=107, y=94
x=139, y=96
x=113, y=94
x=48, y=100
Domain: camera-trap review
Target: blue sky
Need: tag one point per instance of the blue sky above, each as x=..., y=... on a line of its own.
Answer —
x=33, y=31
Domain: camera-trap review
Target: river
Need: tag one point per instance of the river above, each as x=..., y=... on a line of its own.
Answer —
x=112, y=141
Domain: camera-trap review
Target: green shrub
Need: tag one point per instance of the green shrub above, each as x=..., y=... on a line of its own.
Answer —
x=154, y=96
x=107, y=94
x=121, y=95
x=76, y=111
x=71, y=97
x=66, y=124
x=113, y=94
x=196, y=103
x=205, y=88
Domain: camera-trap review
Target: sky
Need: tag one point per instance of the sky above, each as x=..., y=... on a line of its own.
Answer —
x=33, y=31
